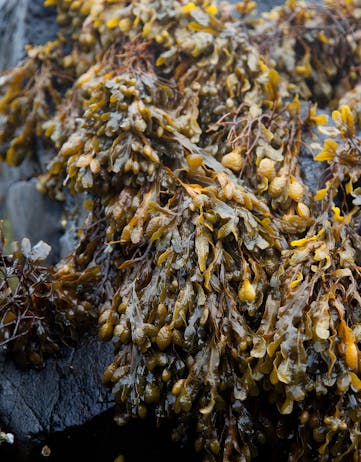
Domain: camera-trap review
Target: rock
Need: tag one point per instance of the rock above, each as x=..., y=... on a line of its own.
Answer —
x=312, y=141
x=30, y=214
x=10, y=175
x=12, y=14
x=33, y=215
x=101, y=440
x=266, y=5
x=75, y=214
x=311, y=171
x=67, y=392
x=23, y=22
x=263, y=5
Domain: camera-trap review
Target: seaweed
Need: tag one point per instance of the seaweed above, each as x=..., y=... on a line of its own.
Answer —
x=221, y=279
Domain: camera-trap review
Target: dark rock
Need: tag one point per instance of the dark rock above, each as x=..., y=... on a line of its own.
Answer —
x=101, y=440
x=311, y=170
x=66, y=392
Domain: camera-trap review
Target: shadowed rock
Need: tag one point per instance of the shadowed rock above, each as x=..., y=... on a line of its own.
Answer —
x=66, y=392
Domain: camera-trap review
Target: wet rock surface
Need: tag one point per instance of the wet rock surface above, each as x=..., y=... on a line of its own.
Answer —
x=23, y=22
x=69, y=383
x=94, y=441
x=66, y=392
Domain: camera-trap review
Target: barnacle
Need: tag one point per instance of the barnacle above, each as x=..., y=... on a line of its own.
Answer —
x=221, y=280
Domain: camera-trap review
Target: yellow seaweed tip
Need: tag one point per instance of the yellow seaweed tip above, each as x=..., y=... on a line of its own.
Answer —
x=320, y=194
x=305, y=240
x=212, y=9
x=299, y=278
x=337, y=214
x=112, y=23
x=188, y=7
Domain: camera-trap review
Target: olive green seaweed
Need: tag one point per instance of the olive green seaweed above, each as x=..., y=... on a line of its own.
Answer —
x=229, y=289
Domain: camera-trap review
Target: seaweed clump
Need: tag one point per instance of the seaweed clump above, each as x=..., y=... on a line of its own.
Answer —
x=41, y=307
x=223, y=281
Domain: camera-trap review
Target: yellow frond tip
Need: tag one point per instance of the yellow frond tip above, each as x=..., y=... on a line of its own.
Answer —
x=262, y=66
x=324, y=155
x=160, y=61
x=330, y=145
x=322, y=37
x=303, y=241
x=247, y=292
x=212, y=9
x=337, y=214
x=299, y=278
x=321, y=119
x=188, y=7
x=273, y=77
x=320, y=194
x=336, y=116
x=328, y=152
x=294, y=107
x=304, y=69
x=349, y=187
x=112, y=23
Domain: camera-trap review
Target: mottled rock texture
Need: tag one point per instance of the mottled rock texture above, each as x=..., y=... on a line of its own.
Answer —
x=25, y=22
x=66, y=392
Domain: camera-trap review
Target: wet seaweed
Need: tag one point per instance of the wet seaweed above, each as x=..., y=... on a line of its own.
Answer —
x=221, y=279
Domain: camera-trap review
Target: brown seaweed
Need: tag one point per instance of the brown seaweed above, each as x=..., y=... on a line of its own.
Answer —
x=222, y=281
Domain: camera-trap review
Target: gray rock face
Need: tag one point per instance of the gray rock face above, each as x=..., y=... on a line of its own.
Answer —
x=12, y=15
x=65, y=393
x=266, y=5
x=311, y=171
x=263, y=5
x=33, y=215
x=23, y=22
